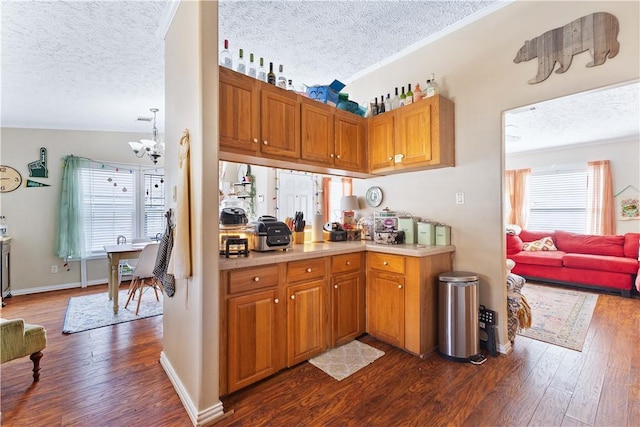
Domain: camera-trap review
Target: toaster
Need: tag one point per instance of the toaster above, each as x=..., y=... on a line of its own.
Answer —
x=269, y=234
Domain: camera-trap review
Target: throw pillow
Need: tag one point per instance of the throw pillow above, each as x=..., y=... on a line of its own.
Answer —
x=544, y=244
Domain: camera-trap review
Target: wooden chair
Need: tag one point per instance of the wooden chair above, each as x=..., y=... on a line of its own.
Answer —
x=143, y=274
x=19, y=339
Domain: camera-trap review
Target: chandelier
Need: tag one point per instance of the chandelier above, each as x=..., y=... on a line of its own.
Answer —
x=153, y=147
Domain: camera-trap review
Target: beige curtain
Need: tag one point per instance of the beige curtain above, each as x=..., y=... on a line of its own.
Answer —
x=600, y=205
x=517, y=190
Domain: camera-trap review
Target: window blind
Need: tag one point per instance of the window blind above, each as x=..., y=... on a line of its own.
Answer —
x=558, y=198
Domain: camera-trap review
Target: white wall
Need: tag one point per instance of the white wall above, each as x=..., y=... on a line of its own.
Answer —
x=623, y=155
x=475, y=68
x=31, y=212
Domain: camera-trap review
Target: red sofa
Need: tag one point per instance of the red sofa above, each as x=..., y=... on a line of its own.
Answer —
x=598, y=262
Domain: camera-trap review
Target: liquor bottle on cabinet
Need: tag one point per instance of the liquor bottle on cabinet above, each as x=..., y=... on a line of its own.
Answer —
x=409, y=98
x=417, y=94
x=403, y=97
x=271, y=76
x=241, y=67
x=225, y=56
x=251, y=70
x=282, y=80
x=387, y=103
x=395, y=101
x=262, y=72
x=381, y=106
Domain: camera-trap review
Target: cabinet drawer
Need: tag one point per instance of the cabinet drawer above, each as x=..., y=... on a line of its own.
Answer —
x=385, y=262
x=346, y=262
x=305, y=269
x=248, y=279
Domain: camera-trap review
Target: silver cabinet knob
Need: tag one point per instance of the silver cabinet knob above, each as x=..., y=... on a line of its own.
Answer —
x=348, y=262
x=276, y=301
x=293, y=297
x=385, y=263
x=309, y=270
x=255, y=140
x=256, y=279
x=335, y=286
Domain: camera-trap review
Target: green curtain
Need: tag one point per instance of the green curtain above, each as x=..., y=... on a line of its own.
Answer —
x=70, y=242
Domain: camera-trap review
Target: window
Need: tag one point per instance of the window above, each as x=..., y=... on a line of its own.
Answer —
x=113, y=204
x=558, y=197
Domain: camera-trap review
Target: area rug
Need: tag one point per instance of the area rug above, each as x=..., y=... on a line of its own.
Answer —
x=559, y=316
x=340, y=362
x=96, y=311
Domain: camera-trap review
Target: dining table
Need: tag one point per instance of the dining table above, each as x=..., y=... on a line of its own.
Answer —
x=117, y=253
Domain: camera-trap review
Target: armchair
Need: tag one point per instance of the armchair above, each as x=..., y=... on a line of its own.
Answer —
x=19, y=339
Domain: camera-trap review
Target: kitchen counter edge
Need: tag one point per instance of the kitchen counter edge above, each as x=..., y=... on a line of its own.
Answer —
x=315, y=250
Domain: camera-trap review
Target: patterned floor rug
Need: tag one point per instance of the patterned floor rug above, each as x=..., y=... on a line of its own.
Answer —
x=340, y=362
x=96, y=311
x=559, y=316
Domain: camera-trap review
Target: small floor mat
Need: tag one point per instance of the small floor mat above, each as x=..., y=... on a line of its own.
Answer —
x=340, y=362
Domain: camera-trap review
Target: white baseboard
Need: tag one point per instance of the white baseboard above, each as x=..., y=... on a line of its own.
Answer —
x=201, y=418
x=59, y=287
x=505, y=348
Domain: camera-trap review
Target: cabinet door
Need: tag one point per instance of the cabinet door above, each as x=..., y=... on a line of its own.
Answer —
x=347, y=307
x=253, y=341
x=381, y=140
x=385, y=307
x=238, y=112
x=305, y=321
x=350, y=140
x=279, y=123
x=317, y=132
x=414, y=141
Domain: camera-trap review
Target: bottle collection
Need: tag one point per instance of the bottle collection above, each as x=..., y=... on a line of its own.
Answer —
x=250, y=69
x=402, y=98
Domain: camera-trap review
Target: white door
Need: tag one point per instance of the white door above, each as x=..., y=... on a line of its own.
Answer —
x=295, y=193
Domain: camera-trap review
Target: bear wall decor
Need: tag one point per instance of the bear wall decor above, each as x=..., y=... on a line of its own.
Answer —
x=596, y=33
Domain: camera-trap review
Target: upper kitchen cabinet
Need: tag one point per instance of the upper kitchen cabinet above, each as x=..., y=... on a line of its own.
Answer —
x=422, y=137
x=239, y=120
x=332, y=137
x=279, y=123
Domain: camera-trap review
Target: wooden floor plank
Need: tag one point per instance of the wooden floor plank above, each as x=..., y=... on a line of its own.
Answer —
x=552, y=407
x=614, y=399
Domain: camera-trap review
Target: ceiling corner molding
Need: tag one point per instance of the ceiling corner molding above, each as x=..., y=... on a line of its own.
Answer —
x=167, y=19
x=448, y=30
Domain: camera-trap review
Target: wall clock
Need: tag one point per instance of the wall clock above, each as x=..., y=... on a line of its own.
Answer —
x=10, y=179
x=373, y=196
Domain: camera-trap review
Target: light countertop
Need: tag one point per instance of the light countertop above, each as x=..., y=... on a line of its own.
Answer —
x=314, y=250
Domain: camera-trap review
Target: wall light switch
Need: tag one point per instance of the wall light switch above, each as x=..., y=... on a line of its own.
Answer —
x=459, y=198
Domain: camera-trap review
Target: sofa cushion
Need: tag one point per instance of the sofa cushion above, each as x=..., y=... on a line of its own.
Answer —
x=589, y=244
x=552, y=259
x=601, y=263
x=530, y=236
x=514, y=244
x=544, y=244
x=631, y=244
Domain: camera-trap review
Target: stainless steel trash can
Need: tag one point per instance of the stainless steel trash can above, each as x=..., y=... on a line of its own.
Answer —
x=458, y=315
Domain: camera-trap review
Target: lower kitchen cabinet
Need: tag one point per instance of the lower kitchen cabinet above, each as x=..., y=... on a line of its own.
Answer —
x=305, y=321
x=347, y=297
x=253, y=338
x=402, y=299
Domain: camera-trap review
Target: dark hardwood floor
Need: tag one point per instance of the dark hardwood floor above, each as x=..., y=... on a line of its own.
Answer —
x=111, y=377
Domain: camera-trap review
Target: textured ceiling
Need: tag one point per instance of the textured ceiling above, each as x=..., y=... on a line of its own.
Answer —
x=601, y=115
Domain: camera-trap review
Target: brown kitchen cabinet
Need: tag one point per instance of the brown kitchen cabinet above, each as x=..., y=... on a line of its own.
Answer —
x=347, y=297
x=252, y=335
x=239, y=113
x=306, y=313
x=402, y=299
x=416, y=136
x=279, y=123
x=332, y=137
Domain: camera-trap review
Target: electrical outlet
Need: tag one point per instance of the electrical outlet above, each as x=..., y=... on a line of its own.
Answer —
x=54, y=269
x=459, y=198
